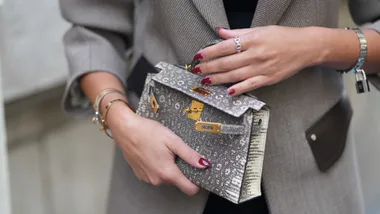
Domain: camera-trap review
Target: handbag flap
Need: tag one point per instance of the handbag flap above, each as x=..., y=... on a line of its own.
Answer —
x=215, y=96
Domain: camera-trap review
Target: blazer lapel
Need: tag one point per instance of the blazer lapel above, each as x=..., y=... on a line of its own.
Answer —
x=269, y=12
x=213, y=12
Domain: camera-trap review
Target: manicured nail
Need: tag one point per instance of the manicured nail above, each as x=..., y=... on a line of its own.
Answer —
x=204, y=162
x=206, y=81
x=231, y=91
x=219, y=28
x=196, y=70
x=198, y=57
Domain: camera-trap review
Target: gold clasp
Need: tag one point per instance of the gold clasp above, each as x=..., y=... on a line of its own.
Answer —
x=154, y=104
x=192, y=110
x=202, y=91
x=208, y=127
x=195, y=110
x=188, y=67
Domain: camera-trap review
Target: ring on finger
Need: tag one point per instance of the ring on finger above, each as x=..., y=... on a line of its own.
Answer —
x=238, y=44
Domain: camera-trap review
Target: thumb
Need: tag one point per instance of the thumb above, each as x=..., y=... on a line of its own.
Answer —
x=188, y=154
x=227, y=34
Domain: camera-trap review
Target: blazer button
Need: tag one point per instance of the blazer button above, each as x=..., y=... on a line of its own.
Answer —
x=313, y=137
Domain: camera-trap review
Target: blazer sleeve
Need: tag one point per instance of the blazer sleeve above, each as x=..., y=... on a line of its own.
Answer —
x=367, y=13
x=101, y=33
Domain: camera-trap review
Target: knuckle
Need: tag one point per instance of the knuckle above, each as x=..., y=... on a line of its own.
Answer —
x=169, y=138
x=155, y=181
x=270, y=81
x=234, y=77
x=223, y=46
x=192, y=192
x=173, y=141
x=273, y=80
x=166, y=175
x=272, y=27
x=252, y=83
x=261, y=55
x=253, y=37
x=205, y=67
x=193, y=156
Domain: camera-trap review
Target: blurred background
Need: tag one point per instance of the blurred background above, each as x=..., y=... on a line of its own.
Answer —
x=60, y=165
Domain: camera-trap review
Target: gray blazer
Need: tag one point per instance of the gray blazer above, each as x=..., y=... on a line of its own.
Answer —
x=302, y=174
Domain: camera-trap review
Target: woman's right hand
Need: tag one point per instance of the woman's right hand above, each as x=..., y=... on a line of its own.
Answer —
x=150, y=149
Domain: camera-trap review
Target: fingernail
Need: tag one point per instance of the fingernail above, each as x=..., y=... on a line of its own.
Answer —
x=198, y=57
x=231, y=91
x=204, y=162
x=219, y=28
x=206, y=81
x=196, y=70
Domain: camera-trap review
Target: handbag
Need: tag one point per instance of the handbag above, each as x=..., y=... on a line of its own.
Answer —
x=229, y=131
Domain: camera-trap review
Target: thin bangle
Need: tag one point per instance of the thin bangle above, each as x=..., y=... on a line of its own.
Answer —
x=97, y=117
x=102, y=94
x=108, y=107
x=99, y=95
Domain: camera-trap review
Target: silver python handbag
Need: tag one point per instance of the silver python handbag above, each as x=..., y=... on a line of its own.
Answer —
x=228, y=131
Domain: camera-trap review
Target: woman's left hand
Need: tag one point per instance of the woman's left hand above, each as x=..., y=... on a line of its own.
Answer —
x=269, y=55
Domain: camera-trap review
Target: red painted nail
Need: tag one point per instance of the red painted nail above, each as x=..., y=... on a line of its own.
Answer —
x=198, y=57
x=204, y=162
x=219, y=28
x=196, y=70
x=206, y=81
x=231, y=91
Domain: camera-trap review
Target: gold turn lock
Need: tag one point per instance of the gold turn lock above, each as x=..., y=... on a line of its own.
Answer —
x=192, y=110
x=195, y=110
x=208, y=127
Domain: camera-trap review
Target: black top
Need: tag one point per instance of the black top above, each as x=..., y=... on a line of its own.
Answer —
x=240, y=14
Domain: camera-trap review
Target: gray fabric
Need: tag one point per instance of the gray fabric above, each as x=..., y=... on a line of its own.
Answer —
x=172, y=31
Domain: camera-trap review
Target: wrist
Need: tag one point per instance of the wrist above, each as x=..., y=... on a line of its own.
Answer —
x=339, y=48
x=321, y=44
x=107, y=99
x=120, y=115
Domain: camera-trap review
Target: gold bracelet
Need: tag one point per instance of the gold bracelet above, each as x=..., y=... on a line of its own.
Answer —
x=97, y=117
x=108, y=107
x=102, y=94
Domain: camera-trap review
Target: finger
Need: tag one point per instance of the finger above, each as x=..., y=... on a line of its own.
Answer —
x=248, y=85
x=223, y=64
x=183, y=183
x=233, y=76
x=224, y=48
x=142, y=176
x=190, y=156
x=228, y=34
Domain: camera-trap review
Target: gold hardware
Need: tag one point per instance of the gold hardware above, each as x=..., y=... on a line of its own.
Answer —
x=195, y=110
x=192, y=110
x=154, y=104
x=208, y=127
x=202, y=91
x=192, y=65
